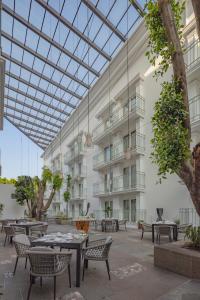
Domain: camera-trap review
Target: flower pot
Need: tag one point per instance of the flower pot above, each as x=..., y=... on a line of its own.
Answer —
x=82, y=225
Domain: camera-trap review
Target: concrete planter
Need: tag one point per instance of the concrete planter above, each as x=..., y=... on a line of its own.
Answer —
x=177, y=259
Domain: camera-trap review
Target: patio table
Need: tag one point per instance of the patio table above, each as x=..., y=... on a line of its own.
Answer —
x=166, y=223
x=68, y=241
x=26, y=225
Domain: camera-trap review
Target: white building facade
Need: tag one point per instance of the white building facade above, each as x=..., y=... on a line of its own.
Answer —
x=116, y=174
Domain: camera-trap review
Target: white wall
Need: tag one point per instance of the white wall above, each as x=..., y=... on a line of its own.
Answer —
x=11, y=208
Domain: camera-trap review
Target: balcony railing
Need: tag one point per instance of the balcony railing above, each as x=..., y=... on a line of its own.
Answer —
x=118, y=117
x=78, y=195
x=78, y=174
x=75, y=153
x=192, y=56
x=121, y=184
x=117, y=152
x=194, y=109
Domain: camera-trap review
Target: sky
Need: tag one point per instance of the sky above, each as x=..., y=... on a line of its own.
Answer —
x=19, y=155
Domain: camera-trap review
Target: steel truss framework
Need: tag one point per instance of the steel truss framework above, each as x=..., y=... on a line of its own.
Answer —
x=53, y=60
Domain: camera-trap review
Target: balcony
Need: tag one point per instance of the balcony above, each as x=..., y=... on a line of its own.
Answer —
x=194, y=104
x=74, y=154
x=120, y=185
x=118, y=153
x=192, y=60
x=118, y=118
x=78, y=195
x=78, y=174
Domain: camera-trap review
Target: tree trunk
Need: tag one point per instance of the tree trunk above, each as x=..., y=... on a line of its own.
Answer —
x=196, y=8
x=52, y=194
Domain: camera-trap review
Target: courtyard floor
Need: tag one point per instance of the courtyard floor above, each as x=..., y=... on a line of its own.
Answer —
x=133, y=275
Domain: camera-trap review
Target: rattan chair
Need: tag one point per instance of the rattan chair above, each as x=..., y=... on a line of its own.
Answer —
x=97, y=250
x=164, y=230
x=109, y=225
x=22, y=244
x=122, y=223
x=9, y=232
x=46, y=262
x=145, y=228
x=39, y=230
x=98, y=225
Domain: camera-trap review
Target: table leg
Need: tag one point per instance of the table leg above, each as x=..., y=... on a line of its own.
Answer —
x=27, y=230
x=78, y=266
x=175, y=233
x=152, y=233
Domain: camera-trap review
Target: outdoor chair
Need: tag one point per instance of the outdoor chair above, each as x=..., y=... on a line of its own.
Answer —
x=5, y=223
x=183, y=227
x=97, y=250
x=122, y=223
x=22, y=244
x=46, y=262
x=109, y=225
x=145, y=228
x=9, y=232
x=163, y=231
x=98, y=225
x=39, y=230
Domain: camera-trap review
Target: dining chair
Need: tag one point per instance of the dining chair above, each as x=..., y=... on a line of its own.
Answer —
x=97, y=250
x=39, y=230
x=145, y=228
x=46, y=262
x=22, y=244
x=164, y=230
x=122, y=223
x=9, y=232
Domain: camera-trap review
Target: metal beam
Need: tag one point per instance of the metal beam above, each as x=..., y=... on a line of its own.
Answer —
x=45, y=60
x=65, y=22
x=39, y=137
x=31, y=116
x=101, y=16
x=36, y=130
x=31, y=97
x=48, y=39
x=24, y=133
x=33, y=108
x=42, y=76
x=138, y=7
x=31, y=123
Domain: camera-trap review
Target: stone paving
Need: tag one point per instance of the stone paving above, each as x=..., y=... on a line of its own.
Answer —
x=133, y=275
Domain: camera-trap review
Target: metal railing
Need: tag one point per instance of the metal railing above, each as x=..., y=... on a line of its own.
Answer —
x=78, y=173
x=118, y=116
x=189, y=216
x=192, y=55
x=73, y=154
x=78, y=195
x=194, y=104
x=120, y=184
x=118, y=151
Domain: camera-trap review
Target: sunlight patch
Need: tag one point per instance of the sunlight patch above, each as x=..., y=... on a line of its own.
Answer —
x=128, y=271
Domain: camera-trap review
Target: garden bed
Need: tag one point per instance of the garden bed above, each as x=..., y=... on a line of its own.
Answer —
x=177, y=258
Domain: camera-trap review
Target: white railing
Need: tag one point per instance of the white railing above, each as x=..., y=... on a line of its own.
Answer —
x=73, y=154
x=118, y=152
x=121, y=184
x=78, y=195
x=192, y=55
x=138, y=214
x=194, y=104
x=76, y=173
x=119, y=115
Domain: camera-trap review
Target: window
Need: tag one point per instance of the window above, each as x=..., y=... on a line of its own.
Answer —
x=133, y=139
x=126, y=142
x=126, y=209
x=133, y=176
x=126, y=177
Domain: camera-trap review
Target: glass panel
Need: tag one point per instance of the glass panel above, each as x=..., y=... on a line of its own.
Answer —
x=126, y=209
x=133, y=210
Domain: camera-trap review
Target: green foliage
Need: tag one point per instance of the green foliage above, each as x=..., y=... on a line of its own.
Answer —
x=61, y=215
x=24, y=190
x=84, y=214
x=193, y=234
x=67, y=193
x=159, y=47
x=5, y=180
x=1, y=208
x=170, y=146
x=57, y=181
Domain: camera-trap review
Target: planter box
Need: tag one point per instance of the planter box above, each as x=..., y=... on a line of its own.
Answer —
x=177, y=259
x=61, y=221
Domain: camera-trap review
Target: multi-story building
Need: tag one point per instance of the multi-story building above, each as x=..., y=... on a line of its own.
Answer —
x=116, y=175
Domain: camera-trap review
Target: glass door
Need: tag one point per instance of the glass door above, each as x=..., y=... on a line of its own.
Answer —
x=73, y=211
x=133, y=176
x=133, y=210
x=126, y=142
x=126, y=209
x=126, y=177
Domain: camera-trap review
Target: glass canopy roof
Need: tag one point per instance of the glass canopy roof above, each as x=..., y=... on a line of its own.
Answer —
x=55, y=51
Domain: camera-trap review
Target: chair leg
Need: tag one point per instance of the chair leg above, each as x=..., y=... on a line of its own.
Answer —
x=25, y=263
x=54, y=292
x=108, y=268
x=41, y=281
x=16, y=262
x=69, y=274
x=142, y=235
x=5, y=240
x=30, y=286
x=84, y=265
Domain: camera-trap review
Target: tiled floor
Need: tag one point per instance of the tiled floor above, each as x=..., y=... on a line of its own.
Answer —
x=133, y=275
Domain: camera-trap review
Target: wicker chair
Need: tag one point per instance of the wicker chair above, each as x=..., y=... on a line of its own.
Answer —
x=5, y=223
x=97, y=251
x=122, y=223
x=164, y=230
x=183, y=227
x=39, y=230
x=98, y=225
x=9, y=232
x=22, y=244
x=145, y=228
x=46, y=262
x=109, y=225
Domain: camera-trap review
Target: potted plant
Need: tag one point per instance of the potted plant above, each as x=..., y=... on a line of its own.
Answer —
x=140, y=223
x=83, y=221
x=67, y=193
x=193, y=235
x=61, y=218
x=108, y=212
